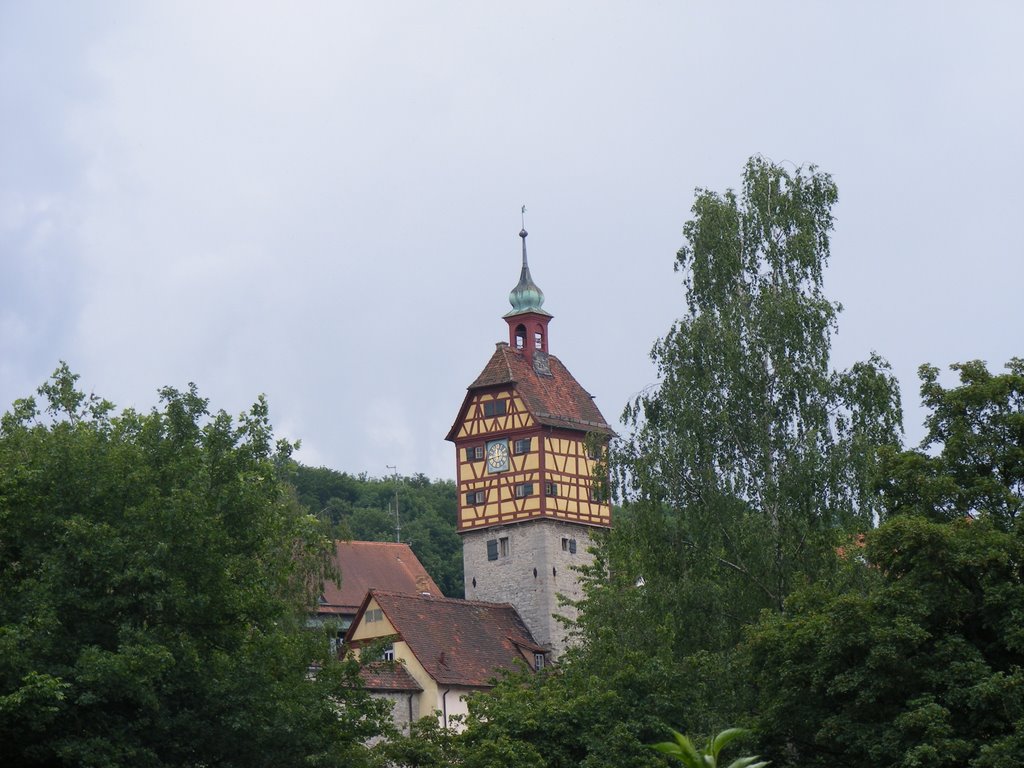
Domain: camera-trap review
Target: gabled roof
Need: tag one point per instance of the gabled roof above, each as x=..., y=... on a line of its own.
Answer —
x=366, y=565
x=555, y=400
x=458, y=642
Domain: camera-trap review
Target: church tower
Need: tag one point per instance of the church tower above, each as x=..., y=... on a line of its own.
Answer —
x=527, y=439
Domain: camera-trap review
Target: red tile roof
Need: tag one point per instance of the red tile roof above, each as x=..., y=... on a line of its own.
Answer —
x=388, y=676
x=458, y=642
x=557, y=400
x=366, y=565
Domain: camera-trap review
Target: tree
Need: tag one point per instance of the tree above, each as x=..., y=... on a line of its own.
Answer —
x=750, y=456
x=915, y=658
x=155, y=576
x=971, y=462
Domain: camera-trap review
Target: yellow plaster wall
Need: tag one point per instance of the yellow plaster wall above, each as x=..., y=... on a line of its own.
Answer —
x=368, y=630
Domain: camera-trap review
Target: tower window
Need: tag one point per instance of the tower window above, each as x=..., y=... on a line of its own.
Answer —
x=520, y=336
x=497, y=548
x=475, y=497
x=523, y=490
x=538, y=340
x=550, y=489
x=495, y=408
x=569, y=545
x=474, y=453
x=522, y=446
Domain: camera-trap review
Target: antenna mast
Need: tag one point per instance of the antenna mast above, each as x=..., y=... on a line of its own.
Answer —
x=398, y=521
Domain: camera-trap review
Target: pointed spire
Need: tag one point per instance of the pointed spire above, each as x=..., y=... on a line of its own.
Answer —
x=526, y=296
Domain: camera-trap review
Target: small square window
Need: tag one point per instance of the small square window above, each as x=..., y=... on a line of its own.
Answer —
x=550, y=489
x=474, y=453
x=495, y=408
x=523, y=490
x=523, y=446
x=475, y=497
x=389, y=653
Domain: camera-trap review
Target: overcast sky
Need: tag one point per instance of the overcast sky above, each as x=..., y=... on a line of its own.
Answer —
x=319, y=201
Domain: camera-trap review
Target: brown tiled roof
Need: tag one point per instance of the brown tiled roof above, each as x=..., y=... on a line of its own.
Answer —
x=366, y=565
x=459, y=642
x=557, y=400
x=388, y=676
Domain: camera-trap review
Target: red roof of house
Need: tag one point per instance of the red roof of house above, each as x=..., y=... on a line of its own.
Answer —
x=556, y=400
x=388, y=676
x=366, y=565
x=458, y=642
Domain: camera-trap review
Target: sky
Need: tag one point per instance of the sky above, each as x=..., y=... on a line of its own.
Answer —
x=320, y=201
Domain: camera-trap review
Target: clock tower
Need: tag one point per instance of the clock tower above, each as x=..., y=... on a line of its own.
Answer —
x=528, y=438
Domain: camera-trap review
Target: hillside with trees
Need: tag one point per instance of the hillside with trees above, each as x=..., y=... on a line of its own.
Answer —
x=363, y=508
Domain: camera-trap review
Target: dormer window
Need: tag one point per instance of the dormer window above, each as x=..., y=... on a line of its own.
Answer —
x=538, y=661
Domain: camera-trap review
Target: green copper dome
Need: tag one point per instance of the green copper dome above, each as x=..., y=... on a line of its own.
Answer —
x=526, y=296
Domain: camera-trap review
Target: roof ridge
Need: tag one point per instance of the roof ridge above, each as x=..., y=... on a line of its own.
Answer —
x=438, y=598
x=374, y=543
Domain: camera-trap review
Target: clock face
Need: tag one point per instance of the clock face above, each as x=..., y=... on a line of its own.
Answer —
x=497, y=456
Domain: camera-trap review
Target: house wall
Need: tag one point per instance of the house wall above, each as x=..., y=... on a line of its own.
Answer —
x=454, y=703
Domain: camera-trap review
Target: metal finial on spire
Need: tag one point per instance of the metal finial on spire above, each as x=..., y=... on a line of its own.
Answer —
x=523, y=233
x=526, y=296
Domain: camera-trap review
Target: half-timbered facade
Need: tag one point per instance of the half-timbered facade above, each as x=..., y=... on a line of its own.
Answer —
x=528, y=438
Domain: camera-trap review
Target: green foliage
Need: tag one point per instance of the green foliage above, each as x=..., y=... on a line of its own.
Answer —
x=916, y=659
x=154, y=582
x=684, y=750
x=428, y=745
x=362, y=508
x=978, y=467
x=750, y=455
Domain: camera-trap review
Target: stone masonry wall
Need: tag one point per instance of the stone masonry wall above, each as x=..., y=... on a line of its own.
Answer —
x=537, y=565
